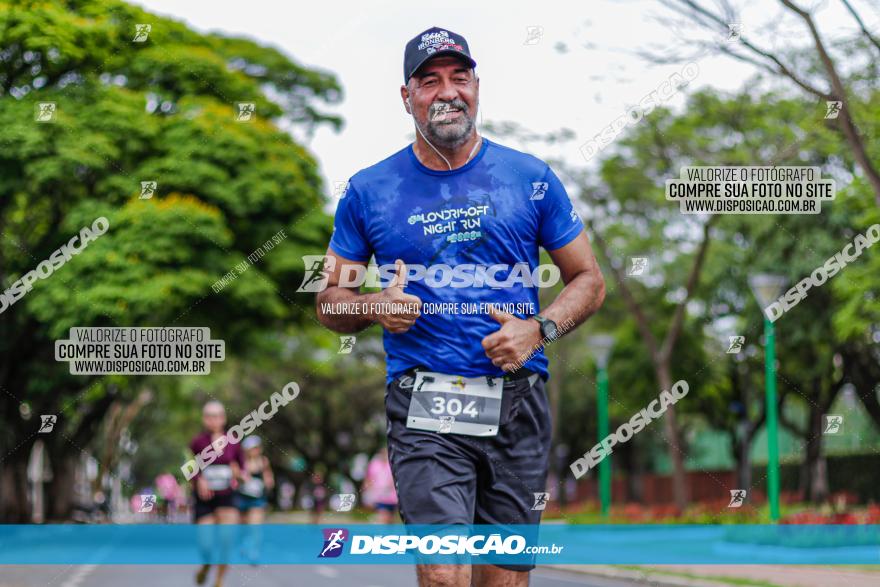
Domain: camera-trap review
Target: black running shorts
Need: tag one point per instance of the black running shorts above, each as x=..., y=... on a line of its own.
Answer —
x=451, y=479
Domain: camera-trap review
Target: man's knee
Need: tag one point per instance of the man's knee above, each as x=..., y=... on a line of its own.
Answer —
x=444, y=575
x=492, y=576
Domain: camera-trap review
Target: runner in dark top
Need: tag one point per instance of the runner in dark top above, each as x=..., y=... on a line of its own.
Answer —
x=214, y=487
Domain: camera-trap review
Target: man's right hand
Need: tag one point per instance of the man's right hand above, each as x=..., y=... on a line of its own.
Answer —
x=397, y=311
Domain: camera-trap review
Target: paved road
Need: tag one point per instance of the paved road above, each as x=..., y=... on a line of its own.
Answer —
x=265, y=576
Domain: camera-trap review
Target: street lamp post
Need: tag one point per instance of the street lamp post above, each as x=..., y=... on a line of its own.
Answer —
x=601, y=345
x=766, y=288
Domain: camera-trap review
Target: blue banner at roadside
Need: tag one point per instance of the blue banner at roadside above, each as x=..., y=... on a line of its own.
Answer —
x=399, y=544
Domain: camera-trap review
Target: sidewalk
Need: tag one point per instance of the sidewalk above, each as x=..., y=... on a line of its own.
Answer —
x=725, y=575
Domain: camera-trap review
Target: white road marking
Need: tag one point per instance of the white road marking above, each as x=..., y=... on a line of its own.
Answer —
x=326, y=571
x=81, y=573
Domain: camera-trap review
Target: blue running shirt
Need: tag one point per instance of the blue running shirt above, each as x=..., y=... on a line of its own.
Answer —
x=497, y=209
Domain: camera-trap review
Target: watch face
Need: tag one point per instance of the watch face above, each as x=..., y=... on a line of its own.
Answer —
x=549, y=330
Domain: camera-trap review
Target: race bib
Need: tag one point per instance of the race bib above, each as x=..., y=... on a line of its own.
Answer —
x=218, y=477
x=451, y=404
x=253, y=487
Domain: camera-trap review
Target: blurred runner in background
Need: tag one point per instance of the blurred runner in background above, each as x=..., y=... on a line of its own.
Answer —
x=379, y=490
x=170, y=495
x=253, y=494
x=318, y=498
x=214, y=490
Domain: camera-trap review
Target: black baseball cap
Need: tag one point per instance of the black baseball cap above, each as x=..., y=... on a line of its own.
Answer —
x=431, y=43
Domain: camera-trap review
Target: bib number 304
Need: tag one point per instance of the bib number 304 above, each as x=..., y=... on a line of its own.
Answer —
x=450, y=404
x=453, y=407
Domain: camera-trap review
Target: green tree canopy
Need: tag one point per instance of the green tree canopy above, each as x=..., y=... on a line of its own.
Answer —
x=160, y=108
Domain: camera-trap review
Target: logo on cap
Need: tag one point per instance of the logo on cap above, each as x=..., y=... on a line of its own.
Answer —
x=430, y=42
x=435, y=38
x=438, y=40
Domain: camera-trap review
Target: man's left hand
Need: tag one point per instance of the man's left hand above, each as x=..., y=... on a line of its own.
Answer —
x=514, y=342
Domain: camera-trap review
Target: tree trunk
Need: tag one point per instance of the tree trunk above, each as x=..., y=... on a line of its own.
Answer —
x=61, y=487
x=819, y=479
x=863, y=372
x=627, y=467
x=670, y=430
x=14, y=506
x=635, y=486
x=743, y=460
x=814, y=474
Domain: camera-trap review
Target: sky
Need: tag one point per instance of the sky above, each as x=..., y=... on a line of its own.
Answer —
x=580, y=70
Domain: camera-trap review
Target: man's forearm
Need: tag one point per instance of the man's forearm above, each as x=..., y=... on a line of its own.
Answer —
x=356, y=314
x=579, y=299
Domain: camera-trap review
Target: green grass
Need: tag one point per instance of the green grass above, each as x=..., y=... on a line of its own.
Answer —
x=694, y=515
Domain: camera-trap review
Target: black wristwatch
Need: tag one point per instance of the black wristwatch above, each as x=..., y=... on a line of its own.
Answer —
x=549, y=331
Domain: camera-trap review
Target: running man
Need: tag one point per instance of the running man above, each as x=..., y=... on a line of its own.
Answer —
x=463, y=218
x=214, y=490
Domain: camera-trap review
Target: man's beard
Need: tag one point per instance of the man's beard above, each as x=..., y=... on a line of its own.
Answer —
x=448, y=133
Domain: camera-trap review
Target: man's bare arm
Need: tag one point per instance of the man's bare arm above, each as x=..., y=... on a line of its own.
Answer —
x=364, y=309
x=582, y=295
x=584, y=289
